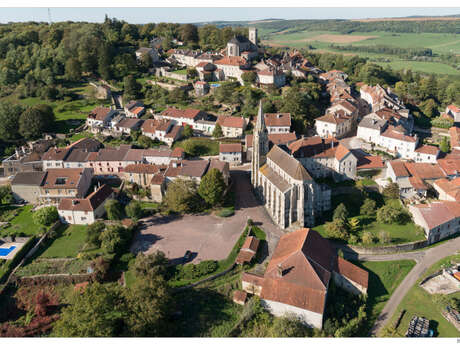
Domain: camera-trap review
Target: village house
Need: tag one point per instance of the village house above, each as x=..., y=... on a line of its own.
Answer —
x=65, y=183
x=454, y=133
x=55, y=157
x=325, y=158
x=26, y=186
x=439, y=219
x=107, y=161
x=183, y=117
x=271, y=76
x=296, y=280
x=153, y=52
x=370, y=127
x=426, y=154
x=336, y=124
x=232, y=126
x=85, y=210
x=396, y=141
x=76, y=159
x=100, y=117
x=377, y=97
x=278, y=122
x=232, y=67
x=453, y=112
x=141, y=174
x=413, y=179
x=344, y=106
x=332, y=75
x=248, y=250
x=201, y=88
x=231, y=153
x=127, y=125
x=448, y=190
x=134, y=109
x=205, y=126
x=450, y=165
x=163, y=130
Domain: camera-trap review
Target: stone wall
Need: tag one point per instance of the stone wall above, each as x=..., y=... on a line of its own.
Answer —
x=398, y=248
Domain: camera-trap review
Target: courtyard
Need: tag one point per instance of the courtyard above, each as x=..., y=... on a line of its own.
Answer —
x=208, y=237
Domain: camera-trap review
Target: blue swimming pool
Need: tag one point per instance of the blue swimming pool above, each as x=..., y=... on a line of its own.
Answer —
x=6, y=251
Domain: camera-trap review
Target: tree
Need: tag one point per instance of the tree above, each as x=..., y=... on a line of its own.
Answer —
x=249, y=77
x=35, y=120
x=212, y=187
x=144, y=141
x=93, y=233
x=354, y=223
x=217, y=132
x=188, y=131
x=46, y=215
x=189, y=33
x=6, y=195
x=368, y=207
x=72, y=69
x=149, y=266
x=429, y=108
x=97, y=312
x=181, y=196
x=114, y=239
x=9, y=120
x=113, y=209
x=192, y=73
x=131, y=88
x=389, y=214
x=337, y=229
x=149, y=302
x=100, y=268
x=444, y=146
x=384, y=237
x=367, y=237
x=340, y=212
x=391, y=191
x=289, y=326
x=134, y=210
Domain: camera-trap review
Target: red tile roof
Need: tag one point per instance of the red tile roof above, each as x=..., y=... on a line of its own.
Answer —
x=428, y=150
x=370, y=162
x=399, y=168
x=151, y=125
x=227, y=148
x=453, y=108
x=341, y=152
x=68, y=178
x=449, y=166
x=178, y=152
x=425, y=171
x=277, y=119
x=454, y=136
x=142, y=168
x=417, y=183
x=99, y=113
x=352, y=272
x=88, y=204
x=240, y=296
x=231, y=60
x=391, y=132
x=438, y=213
x=56, y=154
x=179, y=113
x=231, y=121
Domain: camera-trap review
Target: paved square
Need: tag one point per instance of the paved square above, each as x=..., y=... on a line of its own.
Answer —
x=208, y=237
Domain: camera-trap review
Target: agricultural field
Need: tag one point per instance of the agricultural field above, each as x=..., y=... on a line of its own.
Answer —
x=444, y=43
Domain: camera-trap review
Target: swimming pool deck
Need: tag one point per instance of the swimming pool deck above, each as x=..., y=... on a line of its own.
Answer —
x=11, y=254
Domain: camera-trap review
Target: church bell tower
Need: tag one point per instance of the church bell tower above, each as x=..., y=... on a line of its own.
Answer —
x=259, y=146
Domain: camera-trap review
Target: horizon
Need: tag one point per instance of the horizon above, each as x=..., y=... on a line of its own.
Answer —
x=142, y=15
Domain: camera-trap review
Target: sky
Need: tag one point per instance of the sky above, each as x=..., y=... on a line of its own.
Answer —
x=190, y=15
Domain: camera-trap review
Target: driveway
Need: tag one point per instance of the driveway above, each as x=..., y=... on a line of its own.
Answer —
x=206, y=236
x=425, y=259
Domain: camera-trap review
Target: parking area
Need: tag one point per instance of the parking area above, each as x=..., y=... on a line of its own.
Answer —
x=442, y=284
x=206, y=236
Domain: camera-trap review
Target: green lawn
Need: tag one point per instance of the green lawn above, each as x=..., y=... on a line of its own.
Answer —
x=421, y=303
x=79, y=136
x=181, y=71
x=384, y=278
x=68, y=244
x=22, y=224
x=66, y=109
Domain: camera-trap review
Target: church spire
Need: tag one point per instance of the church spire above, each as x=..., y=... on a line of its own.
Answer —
x=260, y=122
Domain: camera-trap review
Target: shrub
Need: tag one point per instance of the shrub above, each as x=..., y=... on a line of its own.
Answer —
x=192, y=271
x=367, y=238
x=114, y=210
x=384, y=237
x=134, y=210
x=391, y=191
x=46, y=215
x=340, y=212
x=368, y=207
x=226, y=212
x=389, y=214
x=337, y=229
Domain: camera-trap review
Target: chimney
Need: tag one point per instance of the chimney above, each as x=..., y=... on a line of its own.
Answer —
x=278, y=116
x=280, y=271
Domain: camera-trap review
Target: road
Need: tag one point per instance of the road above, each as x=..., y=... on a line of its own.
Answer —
x=425, y=259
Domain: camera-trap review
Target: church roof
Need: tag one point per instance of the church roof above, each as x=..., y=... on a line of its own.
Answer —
x=288, y=163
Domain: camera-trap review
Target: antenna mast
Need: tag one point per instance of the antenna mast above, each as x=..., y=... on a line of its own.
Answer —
x=49, y=16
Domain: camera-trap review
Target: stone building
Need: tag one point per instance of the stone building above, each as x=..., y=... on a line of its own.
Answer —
x=287, y=190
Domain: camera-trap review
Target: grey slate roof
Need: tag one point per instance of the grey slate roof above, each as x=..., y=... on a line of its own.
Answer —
x=29, y=178
x=289, y=164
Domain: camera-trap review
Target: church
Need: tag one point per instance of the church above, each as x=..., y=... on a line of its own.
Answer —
x=289, y=193
x=244, y=47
